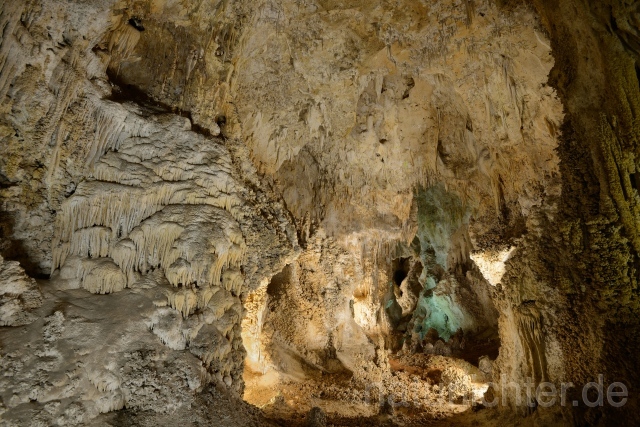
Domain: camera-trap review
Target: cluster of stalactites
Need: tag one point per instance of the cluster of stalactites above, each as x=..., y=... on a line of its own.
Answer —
x=208, y=250
x=159, y=198
x=188, y=300
x=101, y=276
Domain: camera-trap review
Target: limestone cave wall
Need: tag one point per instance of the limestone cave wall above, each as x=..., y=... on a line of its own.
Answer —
x=195, y=192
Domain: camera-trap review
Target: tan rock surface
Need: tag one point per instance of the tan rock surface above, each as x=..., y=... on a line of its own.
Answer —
x=314, y=196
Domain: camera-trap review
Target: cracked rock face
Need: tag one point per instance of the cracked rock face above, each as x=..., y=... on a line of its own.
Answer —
x=312, y=195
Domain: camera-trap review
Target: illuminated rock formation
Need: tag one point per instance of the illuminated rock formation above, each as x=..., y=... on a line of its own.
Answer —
x=317, y=206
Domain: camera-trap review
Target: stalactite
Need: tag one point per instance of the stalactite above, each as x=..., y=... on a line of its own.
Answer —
x=184, y=300
x=205, y=295
x=118, y=207
x=219, y=305
x=124, y=254
x=232, y=281
x=123, y=40
x=530, y=331
x=159, y=241
x=109, y=133
x=111, y=403
x=187, y=301
x=180, y=272
x=90, y=242
x=101, y=276
x=11, y=59
x=104, y=381
x=218, y=352
x=154, y=241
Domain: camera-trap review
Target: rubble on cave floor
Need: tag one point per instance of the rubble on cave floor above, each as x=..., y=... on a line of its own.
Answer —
x=416, y=388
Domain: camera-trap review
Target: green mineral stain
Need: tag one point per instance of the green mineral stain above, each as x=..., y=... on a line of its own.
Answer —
x=440, y=215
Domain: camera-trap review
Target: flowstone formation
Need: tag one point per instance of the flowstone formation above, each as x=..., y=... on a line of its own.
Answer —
x=342, y=212
x=157, y=225
x=158, y=234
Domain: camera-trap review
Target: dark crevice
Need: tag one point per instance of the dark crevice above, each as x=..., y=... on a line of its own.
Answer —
x=136, y=23
x=124, y=92
x=5, y=182
x=635, y=180
x=399, y=276
x=502, y=205
x=410, y=82
x=279, y=282
x=401, y=267
x=13, y=250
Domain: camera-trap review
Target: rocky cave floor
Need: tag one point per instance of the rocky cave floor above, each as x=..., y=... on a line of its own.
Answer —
x=424, y=389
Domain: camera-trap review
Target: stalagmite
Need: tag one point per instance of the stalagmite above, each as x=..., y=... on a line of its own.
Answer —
x=19, y=295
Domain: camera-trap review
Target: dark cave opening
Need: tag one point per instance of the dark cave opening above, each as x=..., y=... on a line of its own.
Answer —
x=399, y=276
x=400, y=268
x=635, y=180
x=13, y=249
